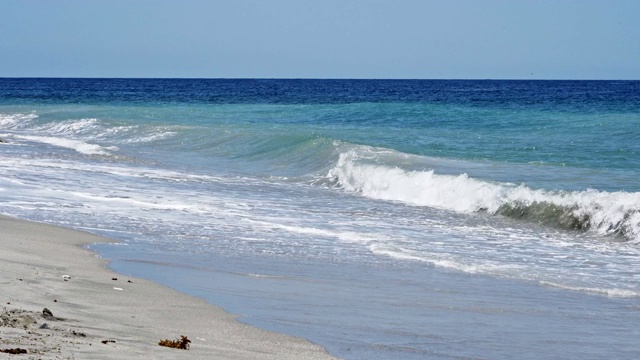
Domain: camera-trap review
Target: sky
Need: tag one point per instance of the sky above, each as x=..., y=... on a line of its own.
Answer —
x=373, y=39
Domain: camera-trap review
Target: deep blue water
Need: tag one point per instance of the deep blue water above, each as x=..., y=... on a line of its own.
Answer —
x=378, y=218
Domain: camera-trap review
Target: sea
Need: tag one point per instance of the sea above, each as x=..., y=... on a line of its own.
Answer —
x=380, y=219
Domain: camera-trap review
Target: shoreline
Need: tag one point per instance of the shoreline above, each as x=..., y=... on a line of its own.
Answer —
x=100, y=314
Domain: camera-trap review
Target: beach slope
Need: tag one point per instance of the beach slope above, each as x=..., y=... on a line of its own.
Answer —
x=94, y=313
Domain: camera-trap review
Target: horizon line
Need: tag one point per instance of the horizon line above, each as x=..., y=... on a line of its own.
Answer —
x=302, y=78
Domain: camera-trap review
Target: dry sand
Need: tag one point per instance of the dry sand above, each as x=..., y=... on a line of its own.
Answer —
x=97, y=317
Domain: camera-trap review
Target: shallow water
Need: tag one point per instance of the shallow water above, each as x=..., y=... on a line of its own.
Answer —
x=379, y=311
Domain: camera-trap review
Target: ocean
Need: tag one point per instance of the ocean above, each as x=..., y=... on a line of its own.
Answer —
x=381, y=219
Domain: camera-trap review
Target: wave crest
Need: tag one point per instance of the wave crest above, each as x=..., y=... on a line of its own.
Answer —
x=12, y=121
x=607, y=213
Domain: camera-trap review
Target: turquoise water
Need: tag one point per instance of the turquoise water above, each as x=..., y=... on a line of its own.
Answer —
x=385, y=219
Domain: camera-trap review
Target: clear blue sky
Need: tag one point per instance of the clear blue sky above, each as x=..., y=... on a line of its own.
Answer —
x=425, y=39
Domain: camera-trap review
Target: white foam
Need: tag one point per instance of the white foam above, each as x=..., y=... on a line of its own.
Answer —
x=344, y=236
x=151, y=137
x=134, y=172
x=86, y=129
x=14, y=121
x=608, y=212
x=422, y=188
x=485, y=267
x=77, y=145
x=70, y=127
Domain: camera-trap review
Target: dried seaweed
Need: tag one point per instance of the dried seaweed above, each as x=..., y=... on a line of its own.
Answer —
x=183, y=343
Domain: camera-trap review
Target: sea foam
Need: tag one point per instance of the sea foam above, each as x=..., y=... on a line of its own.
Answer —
x=12, y=121
x=607, y=213
x=77, y=145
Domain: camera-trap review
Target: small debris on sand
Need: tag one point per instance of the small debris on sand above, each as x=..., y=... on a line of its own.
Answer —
x=183, y=343
x=47, y=312
x=15, y=351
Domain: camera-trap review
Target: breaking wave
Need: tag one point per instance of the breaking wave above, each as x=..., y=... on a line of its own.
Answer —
x=606, y=213
x=89, y=136
x=15, y=120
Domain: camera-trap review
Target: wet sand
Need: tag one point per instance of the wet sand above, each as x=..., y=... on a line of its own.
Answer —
x=95, y=313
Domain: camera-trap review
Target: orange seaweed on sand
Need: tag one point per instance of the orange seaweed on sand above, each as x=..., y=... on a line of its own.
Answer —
x=182, y=343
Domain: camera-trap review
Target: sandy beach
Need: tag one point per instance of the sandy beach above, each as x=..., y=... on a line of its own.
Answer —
x=94, y=313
